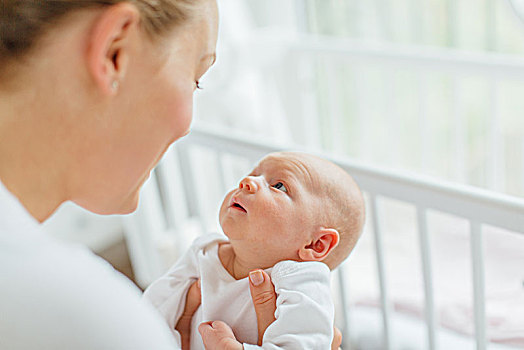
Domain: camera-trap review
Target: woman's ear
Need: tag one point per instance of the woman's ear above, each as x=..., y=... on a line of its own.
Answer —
x=109, y=44
x=324, y=241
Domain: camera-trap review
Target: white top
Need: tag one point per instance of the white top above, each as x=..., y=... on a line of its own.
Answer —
x=55, y=295
x=304, y=315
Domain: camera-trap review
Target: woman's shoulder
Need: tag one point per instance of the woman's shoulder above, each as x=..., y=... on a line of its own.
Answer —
x=65, y=294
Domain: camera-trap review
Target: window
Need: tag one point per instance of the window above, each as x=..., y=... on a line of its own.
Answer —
x=434, y=87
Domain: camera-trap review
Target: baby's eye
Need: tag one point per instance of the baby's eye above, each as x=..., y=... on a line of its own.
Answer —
x=280, y=186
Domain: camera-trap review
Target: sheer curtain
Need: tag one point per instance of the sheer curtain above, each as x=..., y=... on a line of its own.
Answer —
x=433, y=87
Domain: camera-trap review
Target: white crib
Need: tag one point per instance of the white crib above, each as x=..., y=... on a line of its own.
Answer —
x=183, y=195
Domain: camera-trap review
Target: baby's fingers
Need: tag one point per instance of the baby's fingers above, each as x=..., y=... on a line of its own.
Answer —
x=218, y=335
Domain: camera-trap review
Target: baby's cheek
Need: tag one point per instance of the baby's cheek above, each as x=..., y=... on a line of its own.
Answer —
x=276, y=220
x=225, y=204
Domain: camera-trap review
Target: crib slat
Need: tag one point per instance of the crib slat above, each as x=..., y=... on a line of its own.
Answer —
x=522, y=168
x=220, y=172
x=427, y=272
x=496, y=160
x=458, y=113
x=186, y=171
x=173, y=197
x=424, y=129
x=477, y=255
x=379, y=249
x=490, y=25
x=383, y=8
x=451, y=15
x=359, y=87
x=142, y=232
x=308, y=98
x=417, y=14
x=334, y=111
x=392, y=116
x=346, y=336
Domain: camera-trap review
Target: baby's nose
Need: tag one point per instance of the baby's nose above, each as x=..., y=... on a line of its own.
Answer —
x=248, y=184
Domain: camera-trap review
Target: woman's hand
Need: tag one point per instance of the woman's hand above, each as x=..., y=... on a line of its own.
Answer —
x=337, y=339
x=193, y=300
x=218, y=335
x=265, y=301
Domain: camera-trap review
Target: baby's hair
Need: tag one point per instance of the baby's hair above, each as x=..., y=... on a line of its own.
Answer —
x=344, y=208
x=347, y=215
x=24, y=22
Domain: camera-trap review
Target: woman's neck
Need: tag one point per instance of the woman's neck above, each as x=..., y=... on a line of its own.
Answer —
x=28, y=162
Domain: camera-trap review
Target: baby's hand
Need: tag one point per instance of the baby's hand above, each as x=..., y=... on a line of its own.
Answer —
x=218, y=335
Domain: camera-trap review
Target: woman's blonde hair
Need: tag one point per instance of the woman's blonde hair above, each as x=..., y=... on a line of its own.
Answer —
x=23, y=22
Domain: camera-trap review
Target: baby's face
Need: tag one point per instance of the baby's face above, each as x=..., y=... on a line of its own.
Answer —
x=274, y=210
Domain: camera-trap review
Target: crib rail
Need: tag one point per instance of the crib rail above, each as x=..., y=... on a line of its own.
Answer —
x=478, y=207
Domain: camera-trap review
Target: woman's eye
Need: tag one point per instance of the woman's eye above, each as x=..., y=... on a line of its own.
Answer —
x=280, y=186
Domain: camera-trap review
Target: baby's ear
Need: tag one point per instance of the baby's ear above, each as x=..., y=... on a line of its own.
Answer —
x=324, y=241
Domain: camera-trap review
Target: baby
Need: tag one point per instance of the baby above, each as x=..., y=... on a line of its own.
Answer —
x=296, y=216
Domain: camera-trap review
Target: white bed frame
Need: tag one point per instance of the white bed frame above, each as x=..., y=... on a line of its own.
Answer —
x=174, y=201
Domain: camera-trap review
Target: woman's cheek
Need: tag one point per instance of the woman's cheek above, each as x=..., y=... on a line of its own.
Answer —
x=180, y=115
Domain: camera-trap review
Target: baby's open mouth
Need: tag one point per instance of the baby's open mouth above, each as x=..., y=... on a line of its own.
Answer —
x=239, y=207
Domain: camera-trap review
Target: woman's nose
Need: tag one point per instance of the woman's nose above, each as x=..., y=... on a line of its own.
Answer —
x=248, y=184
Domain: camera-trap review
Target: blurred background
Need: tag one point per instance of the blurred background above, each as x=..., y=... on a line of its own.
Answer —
x=427, y=87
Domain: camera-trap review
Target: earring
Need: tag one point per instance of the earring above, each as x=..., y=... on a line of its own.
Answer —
x=114, y=85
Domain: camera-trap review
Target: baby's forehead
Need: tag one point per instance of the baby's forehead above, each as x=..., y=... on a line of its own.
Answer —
x=289, y=161
x=302, y=166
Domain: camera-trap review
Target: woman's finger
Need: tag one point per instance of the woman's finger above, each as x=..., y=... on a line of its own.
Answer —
x=193, y=300
x=337, y=339
x=264, y=299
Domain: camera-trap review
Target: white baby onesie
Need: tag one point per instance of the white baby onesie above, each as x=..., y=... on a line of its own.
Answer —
x=304, y=315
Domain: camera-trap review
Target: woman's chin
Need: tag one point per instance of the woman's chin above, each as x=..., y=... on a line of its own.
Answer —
x=130, y=205
x=122, y=207
x=127, y=210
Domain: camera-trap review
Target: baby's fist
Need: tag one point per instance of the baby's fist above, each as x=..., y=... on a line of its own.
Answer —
x=218, y=335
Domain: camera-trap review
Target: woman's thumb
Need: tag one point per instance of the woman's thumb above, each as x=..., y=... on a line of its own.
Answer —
x=264, y=299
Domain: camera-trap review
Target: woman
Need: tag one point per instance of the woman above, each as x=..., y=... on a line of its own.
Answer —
x=91, y=95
